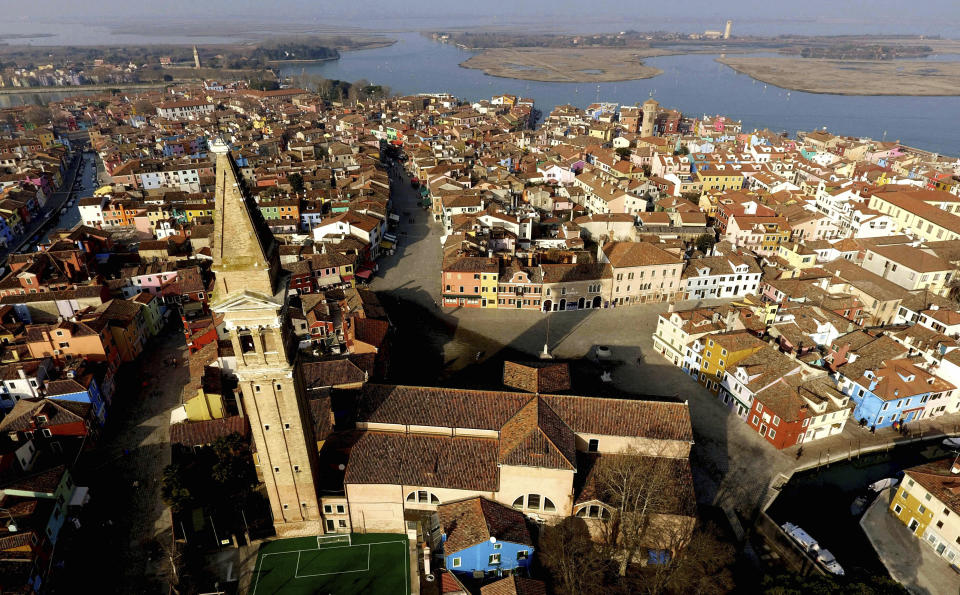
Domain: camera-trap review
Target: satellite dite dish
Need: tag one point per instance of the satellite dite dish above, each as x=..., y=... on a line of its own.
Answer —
x=341, y=466
x=493, y=539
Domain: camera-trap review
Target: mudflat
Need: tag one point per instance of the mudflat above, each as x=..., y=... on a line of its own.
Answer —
x=852, y=77
x=567, y=65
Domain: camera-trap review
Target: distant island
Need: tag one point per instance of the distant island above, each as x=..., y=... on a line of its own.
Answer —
x=843, y=65
x=557, y=65
x=852, y=77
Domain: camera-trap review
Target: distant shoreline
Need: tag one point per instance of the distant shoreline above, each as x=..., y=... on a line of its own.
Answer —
x=83, y=88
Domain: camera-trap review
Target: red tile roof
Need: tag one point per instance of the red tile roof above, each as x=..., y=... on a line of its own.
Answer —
x=475, y=520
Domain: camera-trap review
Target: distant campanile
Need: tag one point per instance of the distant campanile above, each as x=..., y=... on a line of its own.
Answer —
x=196, y=56
x=726, y=32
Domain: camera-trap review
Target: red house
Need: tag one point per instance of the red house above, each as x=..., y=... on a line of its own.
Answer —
x=46, y=418
x=778, y=414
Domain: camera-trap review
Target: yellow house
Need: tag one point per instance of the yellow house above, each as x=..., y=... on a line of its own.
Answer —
x=45, y=137
x=720, y=176
x=710, y=203
x=797, y=255
x=917, y=212
x=765, y=311
x=677, y=328
x=774, y=235
x=204, y=406
x=488, y=288
x=725, y=350
x=927, y=502
x=602, y=131
x=198, y=210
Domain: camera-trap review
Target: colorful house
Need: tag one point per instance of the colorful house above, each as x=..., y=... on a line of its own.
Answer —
x=928, y=503
x=896, y=393
x=721, y=352
x=481, y=535
x=470, y=282
x=81, y=389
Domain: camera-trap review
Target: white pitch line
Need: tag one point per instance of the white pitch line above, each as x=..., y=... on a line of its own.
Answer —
x=259, y=568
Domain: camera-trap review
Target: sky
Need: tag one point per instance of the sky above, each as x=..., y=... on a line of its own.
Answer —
x=751, y=16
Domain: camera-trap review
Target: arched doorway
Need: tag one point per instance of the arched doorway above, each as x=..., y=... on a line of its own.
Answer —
x=596, y=301
x=547, y=304
x=580, y=303
x=563, y=304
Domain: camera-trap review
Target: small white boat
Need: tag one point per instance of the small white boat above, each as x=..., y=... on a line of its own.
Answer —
x=829, y=563
x=951, y=443
x=879, y=486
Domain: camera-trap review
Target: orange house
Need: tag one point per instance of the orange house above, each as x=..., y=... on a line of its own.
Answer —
x=463, y=281
x=92, y=341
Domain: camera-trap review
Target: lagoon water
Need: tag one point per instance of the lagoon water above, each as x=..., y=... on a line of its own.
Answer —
x=694, y=83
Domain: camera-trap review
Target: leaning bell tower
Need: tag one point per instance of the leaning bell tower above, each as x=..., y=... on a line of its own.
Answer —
x=251, y=294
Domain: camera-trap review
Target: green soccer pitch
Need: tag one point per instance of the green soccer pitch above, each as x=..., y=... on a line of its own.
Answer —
x=375, y=563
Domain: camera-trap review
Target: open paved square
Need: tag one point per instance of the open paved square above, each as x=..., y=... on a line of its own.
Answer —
x=374, y=563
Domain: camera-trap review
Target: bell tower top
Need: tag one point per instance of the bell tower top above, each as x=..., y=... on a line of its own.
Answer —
x=244, y=251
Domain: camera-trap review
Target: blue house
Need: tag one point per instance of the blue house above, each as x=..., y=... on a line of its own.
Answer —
x=899, y=391
x=480, y=535
x=83, y=390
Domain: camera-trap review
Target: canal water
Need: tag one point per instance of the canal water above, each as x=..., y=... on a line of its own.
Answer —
x=819, y=501
x=694, y=83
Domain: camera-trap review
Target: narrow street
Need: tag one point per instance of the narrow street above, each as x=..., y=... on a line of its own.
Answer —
x=126, y=517
x=56, y=202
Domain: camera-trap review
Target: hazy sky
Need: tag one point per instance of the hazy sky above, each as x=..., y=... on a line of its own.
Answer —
x=753, y=16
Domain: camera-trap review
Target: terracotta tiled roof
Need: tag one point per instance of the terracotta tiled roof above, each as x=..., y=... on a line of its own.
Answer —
x=537, y=377
x=424, y=460
x=936, y=477
x=371, y=331
x=490, y=410
x=514, y=585
x=428, y=406
x=536, y=437
x=193, y=433
x=322, y=417
x=475, y=520
x=332, y=372
x=634, y=254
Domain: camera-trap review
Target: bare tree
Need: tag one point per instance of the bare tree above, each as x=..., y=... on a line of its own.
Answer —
x=574, y=562
x=638, y=489
x=697, y=564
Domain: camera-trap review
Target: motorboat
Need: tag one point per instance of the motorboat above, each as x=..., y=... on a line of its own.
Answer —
x=806, y=542
x=879, y=486
x=829, y=563
x=810, y=547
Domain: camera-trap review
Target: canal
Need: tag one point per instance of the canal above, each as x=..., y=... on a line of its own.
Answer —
x=819, y=501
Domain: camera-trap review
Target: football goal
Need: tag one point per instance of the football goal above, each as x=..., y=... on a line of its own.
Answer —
x=338, y=538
